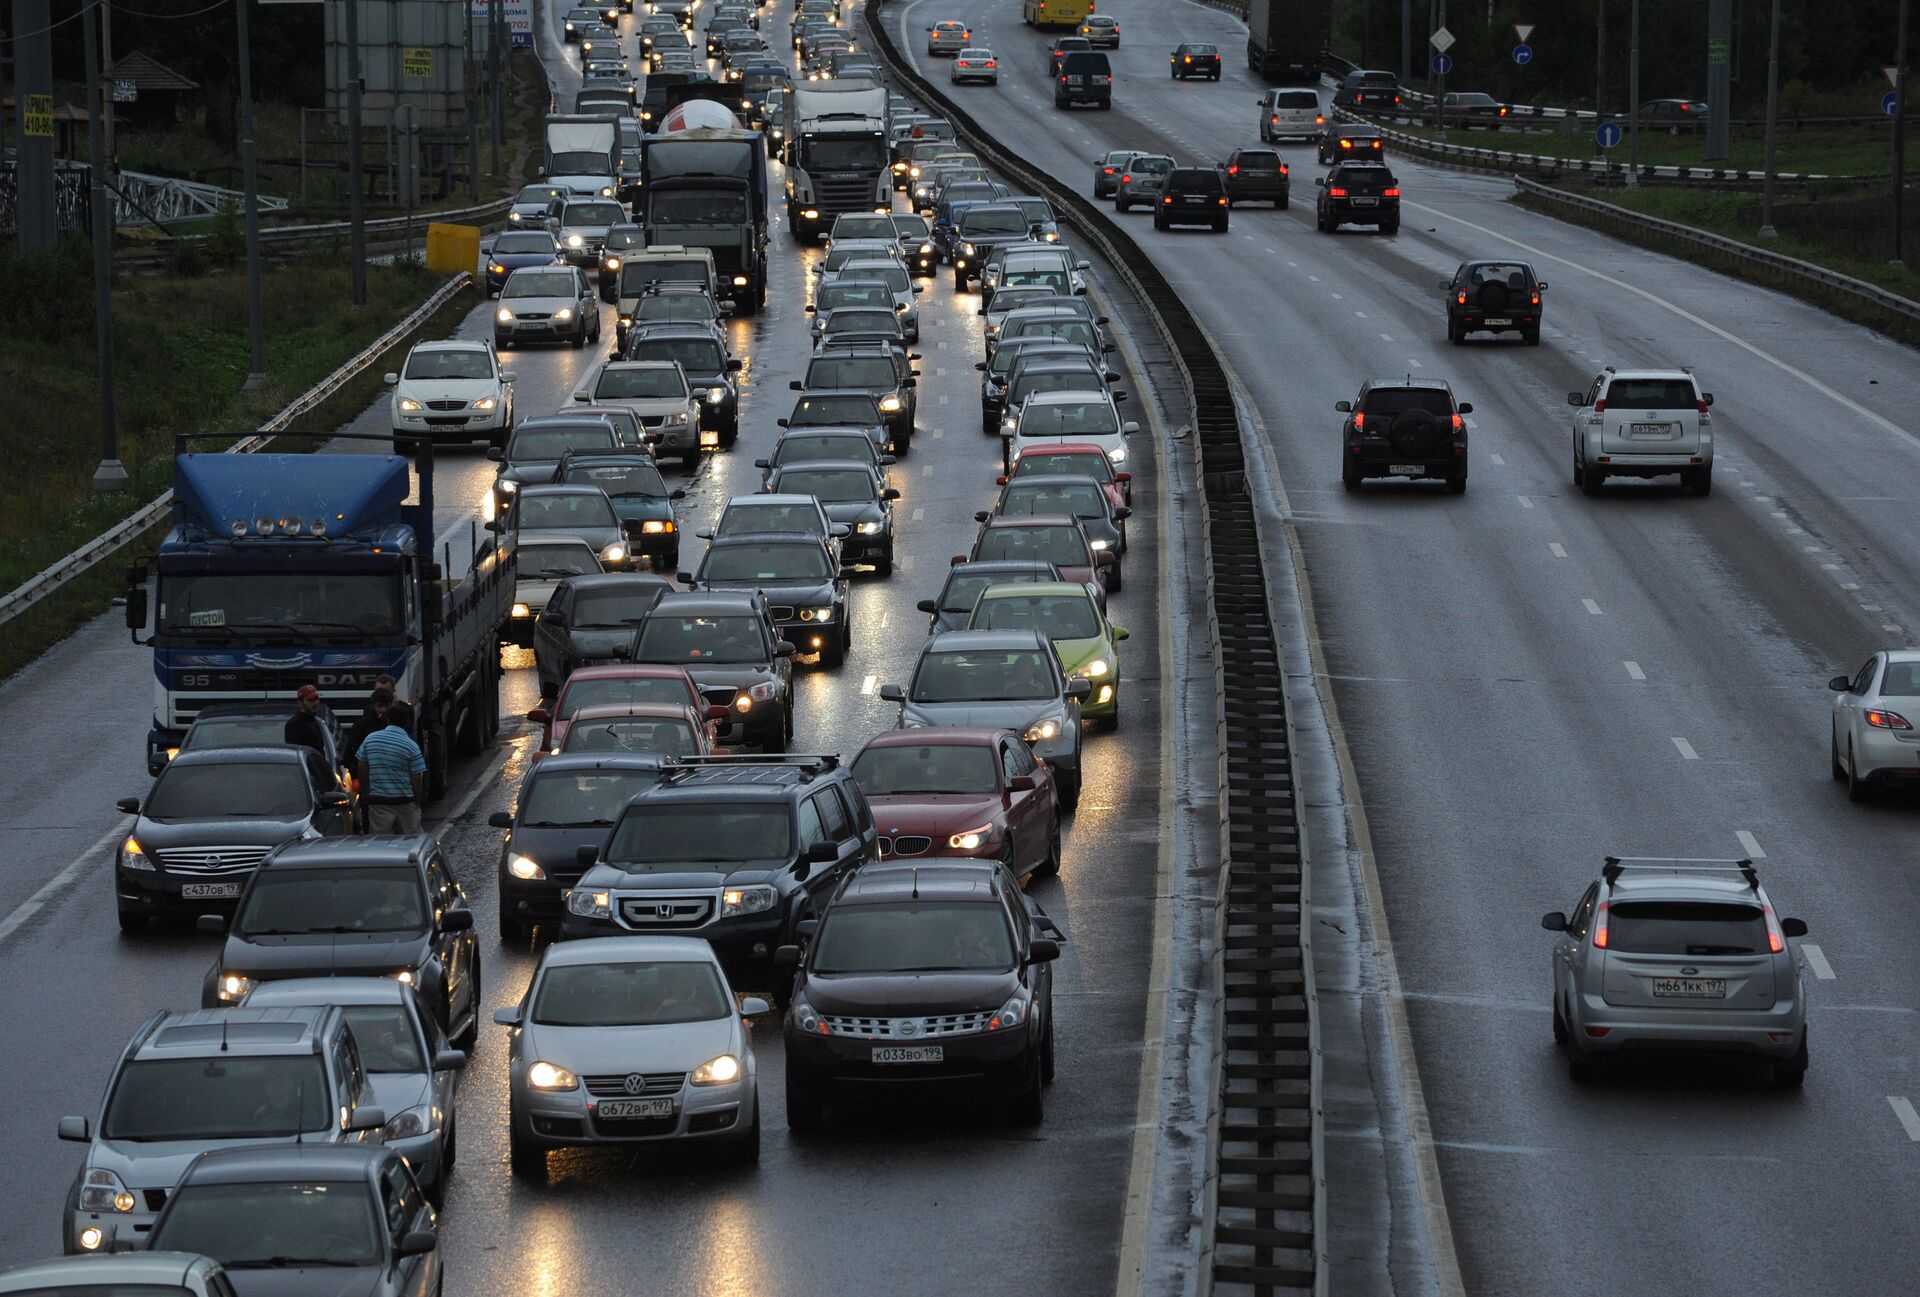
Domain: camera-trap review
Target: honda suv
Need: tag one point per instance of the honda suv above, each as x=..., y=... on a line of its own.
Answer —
x=734, y=849
x=1494, y=297
x=1404, y=428
x=1680, y=955
x=1642, y=423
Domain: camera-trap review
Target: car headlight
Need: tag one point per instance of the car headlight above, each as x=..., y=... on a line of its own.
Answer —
x=614, y=553
x=103, y=1191
x=1041, y=731
x=521, y=610
x=550, y=1076
x=484, y=403
x=575, y=241
x=805, y=1018
x=723, y=1070
x=1012, y=1014
x=414, y=1121
x=134, y=856
x=763, y=692
x=404, y=976
x=890, y=404
x=914, y=172
x=564, y=313
x=507, y=485
x=232, y=987
x=715, y=395
x=926, y=249
x=1118, y=455
x=1095, y=669
x=525, y=867
x=589, y=905
x=970, y=839
x=811, y=214
x=871, y=528
x=494, y=267
x=656, y=527
x=606, y=191
x=676, y=418
x=745, y=900
x=503, y=315
x=514, y=216
x=613, y=263
x=1053, y=236
x=967, y=248
x=1098, y=545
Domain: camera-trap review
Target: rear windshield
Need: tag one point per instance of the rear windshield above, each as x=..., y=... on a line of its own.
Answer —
x=1083, y=499
x=1651, y=393
x=565, y=511
x=617, y=480
x=962, y=591
x=852, y=371
x=1686, y=928
x=1390, y=401
x=1296, y=99
x=1252, y=158
x=535, y=444
x=830, y=486
x=620, y=691
x=741, y=519
x=1058, y=545
x=231, y=1096
x=643, y=735
x=1194, y=178
x=1055, y=616
x=1082, y=62
x=828, y=411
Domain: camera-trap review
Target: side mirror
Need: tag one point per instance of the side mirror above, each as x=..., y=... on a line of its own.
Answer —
x=678, y=493
x=586, y=857
x=928, y=607
x=130, y=805
x=509, y=376
x=980, y=365
x=76, y=1130
x=1128, y=429
x=1122, y=513
x=761, y=463
x=1079, y=688
x=1120, y=633
x=1542, y=285
x=1708, y=398
x=137, y=607
x=797, y=386
x=450, y=1060
x=1576, y=398
x=734, y=364
x=507, y=1015
x=1022, y=784
x=1840, y=684
x=496, y=454
x=888, y=461
x=982, y=515
x=416, y=1242
x=335, y=798
x=491, y=524
x=821, y=853
x=457, y=921
x=1123, y=478
x=583, y=397
x=753, y=1006
x=1043, y=950
x=716, y=713
x=1343, y=407
x=1106, y=558
x=684, y=578
x=1083, y=265
x=1319, y=183
x=1555, y=921
x=914, y=355
x=366, y=1117
x=390, y=379
x=1466, y=407
x=784, y=648
x=917, y=290
x=540, y=716
x=500, y=820
x=1109, y=346
x=783, y=957
x=211, y=924
x=840, y=530
x=781, y=423
x=893, y=693
x=1794, y=927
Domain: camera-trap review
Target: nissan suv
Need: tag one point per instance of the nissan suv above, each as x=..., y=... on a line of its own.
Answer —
x=1642, y=423
x=1408, y=427
x=736, y=850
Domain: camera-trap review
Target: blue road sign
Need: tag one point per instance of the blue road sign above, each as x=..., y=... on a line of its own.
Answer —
x=1523, y=54
x=523, y=40
x=1443, y=63
x=1608, y=134
x=1889, y=101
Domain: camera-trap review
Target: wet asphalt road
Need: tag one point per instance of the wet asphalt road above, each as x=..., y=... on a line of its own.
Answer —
x=1530, y=680
x=919, y=1198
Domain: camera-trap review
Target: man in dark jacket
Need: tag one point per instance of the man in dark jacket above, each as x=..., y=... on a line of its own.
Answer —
x=372, y=717
x=305, y=727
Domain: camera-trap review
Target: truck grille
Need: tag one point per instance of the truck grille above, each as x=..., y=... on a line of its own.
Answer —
x=663, y=912
x=837, y=196
x=652, y=1084
x=210, y=860
x=952, y=1024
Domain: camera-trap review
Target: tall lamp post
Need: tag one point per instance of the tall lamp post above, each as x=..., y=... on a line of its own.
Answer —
x=257, y=372
x=111, y=475
x=1773, y=109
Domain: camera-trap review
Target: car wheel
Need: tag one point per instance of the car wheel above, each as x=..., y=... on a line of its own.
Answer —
x=1349, y=474
x=1111, y=721
x=1114, y=579
x=527, y=1158
x=1067, y=785
x=1833, y=750
x=1792, y=1074
x=1029, y=1107
x=1119, y=204
x=1530, y=336
x=514, y=930
x=746, y=1149
x=1050, y=867
x=1457, y=484
x=805, y=1112
x=1698, y=481
x=133, y=922
x=884, y=565
x=959, y=282
x=1858, y=789
x=548, y=689
x=1280, y=204
x=1592, y=479
x=1560, y=1036
x=1579, y=1066
x=1046, y=1054
x=469, y=1039
x=1455, y=334
x=1391, y=227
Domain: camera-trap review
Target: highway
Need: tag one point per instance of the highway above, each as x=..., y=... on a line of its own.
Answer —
x=1530, y=679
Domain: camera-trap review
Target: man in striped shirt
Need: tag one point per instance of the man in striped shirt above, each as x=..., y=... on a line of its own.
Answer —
x=393, y=775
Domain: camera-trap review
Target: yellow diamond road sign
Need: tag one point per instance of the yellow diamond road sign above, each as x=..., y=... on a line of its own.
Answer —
x=40, y=116
x=417, y=61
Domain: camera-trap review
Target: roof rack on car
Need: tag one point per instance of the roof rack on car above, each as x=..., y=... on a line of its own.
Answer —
x=1616, y=865
x=808, y=763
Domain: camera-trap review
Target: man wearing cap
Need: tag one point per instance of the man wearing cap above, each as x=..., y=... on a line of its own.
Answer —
x=304, y=727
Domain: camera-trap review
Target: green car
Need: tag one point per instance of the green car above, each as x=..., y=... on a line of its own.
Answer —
x=1066, y=613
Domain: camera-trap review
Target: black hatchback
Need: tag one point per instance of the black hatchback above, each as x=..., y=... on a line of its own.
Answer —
x=1194, y=60
x=1084, y=77
x=1193, y=196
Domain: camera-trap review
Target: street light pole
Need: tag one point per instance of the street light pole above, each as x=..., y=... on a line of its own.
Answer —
x=356, y=195
x=1899, y=132
x=1599, y=74
x=497, y=36
x=1633, y=99
x=257, y=372
x=1773, y=109
x=471, y=94
x=111, y=475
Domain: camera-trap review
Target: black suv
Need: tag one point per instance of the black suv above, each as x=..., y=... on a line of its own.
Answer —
x=738, y=850
x=641, y=499
x=1358, y=193
x=1194, y=60
x=803, y=581
x=876, y=367
x=1370, y=91
x=737, y=660
x=1494, y=297
x=356, y=906
x=1345, y=142
x=1192, y=196
x=931, y=972
x=1258, y=176
x=1083, y=77
x=1404, y=428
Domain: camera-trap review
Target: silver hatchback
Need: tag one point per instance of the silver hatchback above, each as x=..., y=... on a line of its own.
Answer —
x=1682, y=956
x=1141, y=181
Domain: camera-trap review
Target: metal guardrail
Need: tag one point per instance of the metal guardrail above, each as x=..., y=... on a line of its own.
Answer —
x=110, y=542
x=1264, y=1229
x=1788, y=267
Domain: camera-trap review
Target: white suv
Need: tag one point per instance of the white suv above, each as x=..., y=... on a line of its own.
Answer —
x=1642, y=423
x=452, y=391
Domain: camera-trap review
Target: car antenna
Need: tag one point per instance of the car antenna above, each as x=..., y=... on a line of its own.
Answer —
x=223, y=1033
x=916, y=882
x=300, y=1120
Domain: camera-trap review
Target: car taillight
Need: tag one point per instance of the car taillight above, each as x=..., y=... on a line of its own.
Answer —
x=1336, y=192
x=1396, y=99
x=1188, y=59
x=1167, y=201
x=1283, y=168
x=1376, y=146
x=1600, y=406
x=1776, y=940
x=1536, y=299
x=1221, y=201
x=1346, y=144
x=1503, y=110
x=1126, y=180
x=1600, y=927
x=1391, y=191
x=1456, y=423
x=1882, y=719
x=1359, y=420
x=990, y=63
x=1461, y=298
x=1234, y=170
x=1700, y=405
x=1063, y=77
x=1319, y=119
x=1109, y=80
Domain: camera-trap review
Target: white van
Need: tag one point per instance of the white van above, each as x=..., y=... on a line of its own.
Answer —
x=1292, y=114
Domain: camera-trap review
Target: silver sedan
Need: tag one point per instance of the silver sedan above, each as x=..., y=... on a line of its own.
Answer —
x=975, y=64
x=627, y=1040
x=1875, y=711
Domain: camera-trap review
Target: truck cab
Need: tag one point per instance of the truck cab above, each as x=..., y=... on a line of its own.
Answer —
x=838, y=158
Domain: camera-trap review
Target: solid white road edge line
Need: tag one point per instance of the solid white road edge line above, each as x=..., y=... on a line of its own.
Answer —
x=33, y=904
x=1903, y=1109
x=1750, y=844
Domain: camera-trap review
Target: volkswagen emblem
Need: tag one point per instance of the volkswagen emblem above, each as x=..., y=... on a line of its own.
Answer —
x=634, y=1083
x=908, y=1027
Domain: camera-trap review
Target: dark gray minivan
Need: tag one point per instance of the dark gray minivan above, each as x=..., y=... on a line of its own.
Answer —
x=1085, y=78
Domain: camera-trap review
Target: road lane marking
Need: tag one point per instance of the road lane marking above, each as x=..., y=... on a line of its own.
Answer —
x=936, y=434
x=1556, y=549
x=1686, y=749
x=906, y=563
x=866, y=686
x=1869, y=607
x=1386, y=337
x=1413, y=362
x=1750, y=844
x=1909, y=1119
x=943, y=398
x=1525, y=502
x=58, y=883
x=1817, y=961
x=926, y=470
x=1496, y=459
x=919, y=514
x=1849, y=585
x=484, y=782
x=1633, y=671
x=1590, y=606
x=1338, y=298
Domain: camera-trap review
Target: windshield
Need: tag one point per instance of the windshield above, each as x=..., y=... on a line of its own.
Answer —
x=527, y=241
x=449, y=364
x=621, y=691
x=1036, y=463
x=911, y=227
x=230, y=1096
x=693, y=157
x=385, y=1037
x=563, y=511
x=1073, y=419
x=577, y=799
x=616, y=606
x=666, y=839
x=700, y=640
x=766, y=563
x=1686, y=928
x=1082, y=500
x=743, y=519
x=986, y=676
x=851, y=371
x=645, y=383
x=539, y=283
x=622, y=237
x=629, y=995
x=832, y=411
x=963, y=591
x=694, y=355
x=1062, y=546
x=629, y=736
x=677, y=308
x=697, y=207
x=840, y=294
x=1055, y=616
x=265, y=790
x=288, y=902
x=863, y=227
x=824, y=154
x=1038, y=211
x=591, y=214
x=235, y=732
x=839, y=486
x=928, y=768
x=288, y=1224
x=891, y=273
x=992, y=220
x=924, y=937
x=542, y=194
x=617, y=480
x=359, y=604
x=533, y=445
x=764, y=78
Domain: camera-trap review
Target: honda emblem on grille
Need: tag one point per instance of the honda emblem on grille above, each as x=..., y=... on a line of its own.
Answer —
x=634, y=1083
x=663, y=911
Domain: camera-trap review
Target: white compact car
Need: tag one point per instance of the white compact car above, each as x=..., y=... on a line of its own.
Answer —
x=1050, y=419
x=452, y=392
x=1875, y=711
x=975, y=64
x=1642, y=423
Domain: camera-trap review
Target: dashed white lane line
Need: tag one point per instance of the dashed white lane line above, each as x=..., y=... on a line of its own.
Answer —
x=1909, y=1119
x=939, y=371
x=1361, y=314
x=1338, y=298
x=1386, y=337
x=1817, y=961
x=1633, y=671
x=1869, y=607
x=1686, y=749
x=1556, y=549
x=943, y=398
x=936, y=434
x=926, y=470
x=1310, y=278
x=1750, y=844
x=919, y=515
x=866, y=686
x=1849, y=585
x=1526, y=502
x=906, y=562
x=1590, y=606
x=886, y=620
x=1890, y=628
x=55, y=885
x=1496, y=459
x=1413, y=362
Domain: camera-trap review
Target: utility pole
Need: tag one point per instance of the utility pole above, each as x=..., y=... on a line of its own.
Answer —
x=1899, y=134
x=1406, y=41
x=1599, y=74
x=356, y=188
x=471, y=93
x=497, y=37
x=106, y=68
x=111, y=475
x=256, y=313
x=33, y=167
x=1633, y=99
x=1719, y=78
x=1773, y=109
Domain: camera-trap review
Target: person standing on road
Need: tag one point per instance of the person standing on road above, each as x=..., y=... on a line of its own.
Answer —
x=304, y=727
x=393, y=773
x=372, y=717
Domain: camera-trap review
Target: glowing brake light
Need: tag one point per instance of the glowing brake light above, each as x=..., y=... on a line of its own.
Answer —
x=1063, y=77
x=1881, y=719
x=1461, y=298
x=1359, y=420
x=1456, y=423
x=1126, y=180
x=1167, y=201
x=1188, y=59
x=1391, y=191
x=1776, y=941
x=1536, y=299
x=1600, y=928
x=1319, y=119
x=990, y=63
x=1337, y=192
x=1346, y=144
x=1234, y=170
x=1109, y=171
x=1274, y=121
x=1283, y=168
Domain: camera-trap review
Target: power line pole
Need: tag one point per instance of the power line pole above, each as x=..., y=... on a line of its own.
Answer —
x=470, y=92
x=1599, y=74
x=1773, y=109
x=111, y=475
x=1633, y=99
x=256, y=312
x=497, y=37
x=1719, y=78
x=1900, y=133
x=106, y=68
x=356, y=197
x=34, y=182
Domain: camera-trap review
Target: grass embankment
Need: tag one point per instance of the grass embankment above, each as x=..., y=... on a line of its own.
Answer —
x=181, y=356
x=1828, y=151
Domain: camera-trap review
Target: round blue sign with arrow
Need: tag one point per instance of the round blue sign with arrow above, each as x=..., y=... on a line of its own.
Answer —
x=1523, y=54
x=1443, y=63
x=1889, y=101
x=1608, y=135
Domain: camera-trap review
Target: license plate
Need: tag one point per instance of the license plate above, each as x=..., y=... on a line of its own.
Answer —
x=209, y=891
x=909, y=1053
x=1366, y=202
x=613, y=1109
x=1416, y=469
x=1496, y=319
x=1690, y=988
x=1651, y=429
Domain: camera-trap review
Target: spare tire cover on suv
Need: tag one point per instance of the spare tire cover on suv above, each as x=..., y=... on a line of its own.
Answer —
x=1414, y=433
x=1493, y=296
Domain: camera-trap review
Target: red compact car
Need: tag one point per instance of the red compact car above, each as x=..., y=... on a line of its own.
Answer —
x=1079, y=460
x=620, y=684
x=953, y=791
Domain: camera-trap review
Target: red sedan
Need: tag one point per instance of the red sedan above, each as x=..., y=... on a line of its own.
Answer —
x=952, y=791
x=1056, y=537
x=619, y=684
x=1077, y=460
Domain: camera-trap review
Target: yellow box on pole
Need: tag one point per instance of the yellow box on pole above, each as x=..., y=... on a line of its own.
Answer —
x=453, y=248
